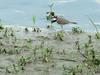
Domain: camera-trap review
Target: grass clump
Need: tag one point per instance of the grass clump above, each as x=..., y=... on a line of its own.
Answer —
x=26, y=29
x=35, y=29
x=23, y=61
x=77, y=30
x=47, y=54
x=91, y=60
x=97, y=35
x=1, y=26
x=60, y=35
x=77, y=70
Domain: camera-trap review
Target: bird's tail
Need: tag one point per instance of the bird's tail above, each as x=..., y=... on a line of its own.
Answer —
x=73, y=22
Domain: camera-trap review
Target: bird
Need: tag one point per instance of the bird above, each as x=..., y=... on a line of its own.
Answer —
x=62, y=21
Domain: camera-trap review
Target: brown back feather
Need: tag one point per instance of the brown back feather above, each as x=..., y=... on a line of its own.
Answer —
x=62, y=21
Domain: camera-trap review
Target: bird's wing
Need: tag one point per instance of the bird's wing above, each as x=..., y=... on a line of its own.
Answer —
x=62, y=21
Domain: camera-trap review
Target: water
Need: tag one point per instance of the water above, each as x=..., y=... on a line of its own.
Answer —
x=20, y=12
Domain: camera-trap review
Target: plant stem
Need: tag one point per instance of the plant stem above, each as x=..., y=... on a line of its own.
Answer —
x=93, y=24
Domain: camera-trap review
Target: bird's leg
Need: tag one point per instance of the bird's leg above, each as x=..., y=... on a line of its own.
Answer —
x=61, y=27
x=51, y=25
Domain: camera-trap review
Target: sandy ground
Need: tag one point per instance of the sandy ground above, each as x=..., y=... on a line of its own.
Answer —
x=21, y=43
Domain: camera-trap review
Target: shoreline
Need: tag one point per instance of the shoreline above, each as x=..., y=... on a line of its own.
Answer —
x=21, y=27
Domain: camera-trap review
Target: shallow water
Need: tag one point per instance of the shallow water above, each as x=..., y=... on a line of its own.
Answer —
x=20, y=12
